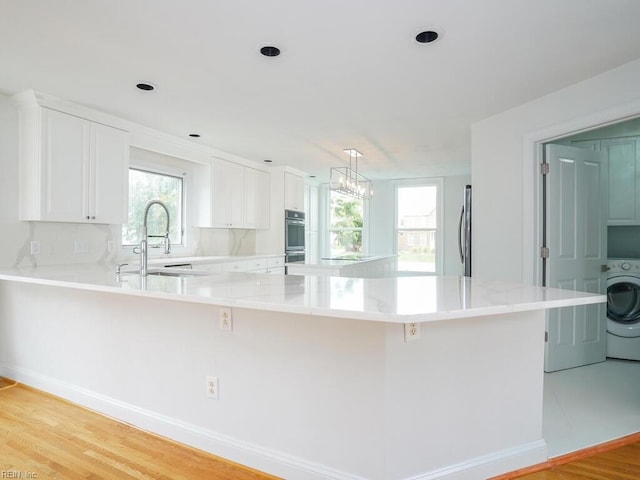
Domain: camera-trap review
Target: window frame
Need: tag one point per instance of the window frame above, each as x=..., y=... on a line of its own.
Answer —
x=364, y=230
x=437, y=182
x=167, y=166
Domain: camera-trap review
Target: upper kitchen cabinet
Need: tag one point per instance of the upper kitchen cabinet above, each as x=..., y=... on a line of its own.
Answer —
x=233, y=196
x=257, y=201
x=623, y=156
x=227, y=194
x=293, y=192
x=71, y=169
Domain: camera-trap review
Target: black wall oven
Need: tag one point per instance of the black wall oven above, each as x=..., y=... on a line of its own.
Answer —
x=294, y=236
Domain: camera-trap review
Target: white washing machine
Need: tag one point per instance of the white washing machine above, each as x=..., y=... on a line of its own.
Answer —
x=623, y=309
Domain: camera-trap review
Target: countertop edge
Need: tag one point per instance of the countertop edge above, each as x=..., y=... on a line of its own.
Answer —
x=392, y=318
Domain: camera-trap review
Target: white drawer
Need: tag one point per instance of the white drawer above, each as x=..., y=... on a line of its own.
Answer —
x=257, y=264
x=275, y=262
x=210, y=267
x=239, y=266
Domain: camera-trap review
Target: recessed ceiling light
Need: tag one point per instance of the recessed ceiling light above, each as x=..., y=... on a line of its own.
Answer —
x=147, y=87
x=427, y=36
x=267, y=161
x=270, y=51
x=194, y=135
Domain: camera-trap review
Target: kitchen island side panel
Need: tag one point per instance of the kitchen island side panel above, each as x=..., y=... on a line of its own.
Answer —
x=301, y=396
x=298, y=390
x=468, y=393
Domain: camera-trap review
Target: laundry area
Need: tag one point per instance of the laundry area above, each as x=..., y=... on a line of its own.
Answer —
x=588, y=404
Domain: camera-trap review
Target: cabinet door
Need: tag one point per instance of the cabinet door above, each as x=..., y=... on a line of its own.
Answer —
x=219, y=198
x=250, y=198
x=64, y=167
x=624, y=169
x=109, y=174
x=227, y=196
x=294, y=192
x=263, y=200
x=235, y=195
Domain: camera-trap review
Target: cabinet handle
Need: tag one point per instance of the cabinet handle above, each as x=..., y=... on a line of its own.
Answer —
x=93, y=217
x=88, y=217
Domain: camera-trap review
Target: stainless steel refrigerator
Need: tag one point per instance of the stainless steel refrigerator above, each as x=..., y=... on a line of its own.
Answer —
x=464, y=232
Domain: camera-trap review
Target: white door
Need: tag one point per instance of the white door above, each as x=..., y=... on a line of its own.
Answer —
x=576, y=220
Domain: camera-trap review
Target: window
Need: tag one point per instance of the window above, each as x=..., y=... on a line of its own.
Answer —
x=345, y=224
x=144, y=186
x=418, y=226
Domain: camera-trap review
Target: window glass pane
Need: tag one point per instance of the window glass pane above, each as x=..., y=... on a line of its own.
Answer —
x=345, y=224
x=417, y=257
x=417, y=207
x=416, y=228
x=144, y=187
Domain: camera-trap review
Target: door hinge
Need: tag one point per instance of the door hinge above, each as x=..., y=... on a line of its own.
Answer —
x=546, y=337
x=544, y=252
x=544, y=168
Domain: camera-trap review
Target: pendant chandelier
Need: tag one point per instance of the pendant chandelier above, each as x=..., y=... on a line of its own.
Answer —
x=348, y=181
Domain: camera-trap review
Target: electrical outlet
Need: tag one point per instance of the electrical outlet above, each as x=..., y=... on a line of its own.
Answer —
x=411, y=331
x=226, y=321
x=35, y=248
x=212, y=387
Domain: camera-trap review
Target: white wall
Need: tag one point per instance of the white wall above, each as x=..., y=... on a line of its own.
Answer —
x=382, y=217
x=503, y=165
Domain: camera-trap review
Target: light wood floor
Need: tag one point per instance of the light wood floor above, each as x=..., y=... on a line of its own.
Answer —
x=615, y=460
x=45, y=437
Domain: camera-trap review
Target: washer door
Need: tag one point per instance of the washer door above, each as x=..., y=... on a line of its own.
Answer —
x=623, y=306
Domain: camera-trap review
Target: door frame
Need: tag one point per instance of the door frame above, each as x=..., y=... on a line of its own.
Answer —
x=533, y=154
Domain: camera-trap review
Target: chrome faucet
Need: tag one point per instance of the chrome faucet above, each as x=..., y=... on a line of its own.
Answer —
x=143, y=242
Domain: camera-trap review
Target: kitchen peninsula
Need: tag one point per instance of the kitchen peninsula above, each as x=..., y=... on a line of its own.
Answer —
x=319, y=377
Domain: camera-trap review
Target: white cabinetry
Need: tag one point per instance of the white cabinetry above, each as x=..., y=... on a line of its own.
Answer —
x=624, y=180
x=227, y=194
x=71, y=169
x=256, y=198
x=293, y=192
x=623, y=155
x=234, y=196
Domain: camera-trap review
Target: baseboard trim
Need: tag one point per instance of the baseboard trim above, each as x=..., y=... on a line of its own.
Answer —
x=573, y=456
x=238, y=451
x=492, y=464
x=255, y=456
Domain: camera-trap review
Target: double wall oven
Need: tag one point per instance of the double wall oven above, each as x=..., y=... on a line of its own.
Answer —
x=293, y=236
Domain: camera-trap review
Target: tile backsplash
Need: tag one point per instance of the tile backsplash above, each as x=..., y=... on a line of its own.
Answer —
x=623, y=242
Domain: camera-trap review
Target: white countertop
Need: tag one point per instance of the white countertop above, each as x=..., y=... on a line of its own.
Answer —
x=392, y=300
x=340, y=262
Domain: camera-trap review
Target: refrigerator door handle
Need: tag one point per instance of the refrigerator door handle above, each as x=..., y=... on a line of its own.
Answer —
x=460, y=242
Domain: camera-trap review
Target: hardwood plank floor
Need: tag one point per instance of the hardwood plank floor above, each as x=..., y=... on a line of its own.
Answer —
x=45, y=437
x=615, y=460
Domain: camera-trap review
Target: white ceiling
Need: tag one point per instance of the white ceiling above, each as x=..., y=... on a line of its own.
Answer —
x=350, y=73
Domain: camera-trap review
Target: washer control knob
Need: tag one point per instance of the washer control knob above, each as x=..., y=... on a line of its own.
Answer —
x=625, y=266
